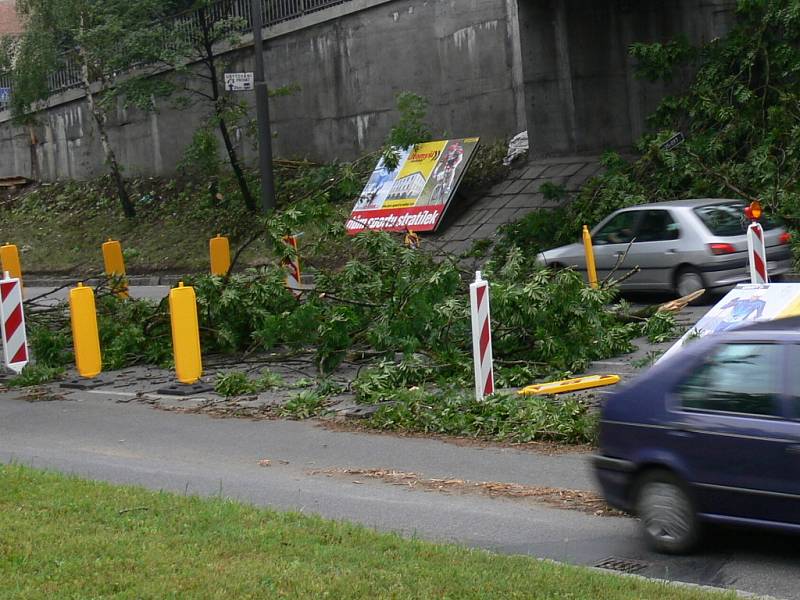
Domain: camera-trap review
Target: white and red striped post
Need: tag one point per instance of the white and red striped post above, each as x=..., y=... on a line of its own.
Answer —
x=12, y=324
x=292, y=266
x=481, y=337
x=758, y=254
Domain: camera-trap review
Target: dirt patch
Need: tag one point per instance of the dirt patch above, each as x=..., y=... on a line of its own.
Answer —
x=588, y=502
x=548, y=448
x=216, y=408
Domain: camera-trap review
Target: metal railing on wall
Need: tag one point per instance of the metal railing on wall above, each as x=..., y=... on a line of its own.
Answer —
x=68, y=76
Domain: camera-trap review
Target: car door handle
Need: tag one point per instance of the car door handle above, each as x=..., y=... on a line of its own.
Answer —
x=620, y=253
x=671, y=251
x=793, y=449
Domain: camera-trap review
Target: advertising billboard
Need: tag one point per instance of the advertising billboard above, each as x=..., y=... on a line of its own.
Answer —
x=415, y=195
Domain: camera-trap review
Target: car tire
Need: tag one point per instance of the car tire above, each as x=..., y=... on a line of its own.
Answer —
x=688, y=280
x=666, y=512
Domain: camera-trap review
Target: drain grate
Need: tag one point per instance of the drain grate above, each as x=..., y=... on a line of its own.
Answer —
x=623, y=565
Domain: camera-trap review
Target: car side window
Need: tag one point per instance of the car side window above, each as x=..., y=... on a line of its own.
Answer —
x=657, y=226
x=738, y=378
x=619, y=230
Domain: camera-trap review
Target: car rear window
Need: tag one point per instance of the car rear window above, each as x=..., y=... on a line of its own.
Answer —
x=727, y=218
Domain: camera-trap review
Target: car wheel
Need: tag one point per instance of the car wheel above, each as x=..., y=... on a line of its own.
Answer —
x=667, y=514
x=689, y=280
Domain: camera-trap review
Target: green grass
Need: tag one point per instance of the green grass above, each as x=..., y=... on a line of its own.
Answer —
x=65, y=538
x=60, y=228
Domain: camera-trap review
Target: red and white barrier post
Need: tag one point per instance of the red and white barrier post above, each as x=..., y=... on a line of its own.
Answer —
x=756, y=249
x=12, y=324
x=292, y=266
x=481, y=337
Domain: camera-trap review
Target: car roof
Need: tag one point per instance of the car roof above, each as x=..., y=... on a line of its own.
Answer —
x=785, y=325
x=687, y=203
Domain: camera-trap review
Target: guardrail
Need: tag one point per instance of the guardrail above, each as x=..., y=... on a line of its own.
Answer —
x=274, y=12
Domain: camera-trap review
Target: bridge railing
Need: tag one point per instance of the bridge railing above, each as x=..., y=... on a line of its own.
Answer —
x=274, y=11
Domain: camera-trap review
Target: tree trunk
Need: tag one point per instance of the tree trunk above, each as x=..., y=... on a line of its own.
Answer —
x=111, y=157
x=233, y=158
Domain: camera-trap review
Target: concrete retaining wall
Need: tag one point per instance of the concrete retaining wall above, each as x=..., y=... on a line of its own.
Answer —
x=349, y=62
x=489, y=68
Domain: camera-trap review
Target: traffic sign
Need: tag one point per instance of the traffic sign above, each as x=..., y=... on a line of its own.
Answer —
x=239, y=82
x=675, y=140
x=5, y=95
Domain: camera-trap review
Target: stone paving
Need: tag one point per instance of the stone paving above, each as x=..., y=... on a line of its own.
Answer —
x=513, y=198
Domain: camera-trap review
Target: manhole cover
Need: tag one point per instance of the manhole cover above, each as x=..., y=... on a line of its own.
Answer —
x=624, y=565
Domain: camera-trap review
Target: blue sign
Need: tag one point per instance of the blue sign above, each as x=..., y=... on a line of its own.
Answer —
x=5, y=95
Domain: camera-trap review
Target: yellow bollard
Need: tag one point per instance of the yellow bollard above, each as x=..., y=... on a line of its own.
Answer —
x=114, y=264
x=220, y=251
x=590, y=267
x=85, y=336
x=185, y=334
x=9, y=258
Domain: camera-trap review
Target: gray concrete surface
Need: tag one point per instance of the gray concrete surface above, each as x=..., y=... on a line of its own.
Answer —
x=92, y=435
x=347, y=63
x=491, y=69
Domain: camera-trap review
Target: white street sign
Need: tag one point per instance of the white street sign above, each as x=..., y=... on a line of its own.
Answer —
x=238, y=82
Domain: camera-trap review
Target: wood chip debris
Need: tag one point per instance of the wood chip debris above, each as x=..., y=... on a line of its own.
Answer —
x=581, y=500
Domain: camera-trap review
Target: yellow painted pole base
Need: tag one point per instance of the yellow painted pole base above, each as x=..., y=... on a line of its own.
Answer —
x=185, y=334
x=85, y=336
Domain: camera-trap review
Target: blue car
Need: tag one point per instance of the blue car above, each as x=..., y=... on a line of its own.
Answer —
x=709, y=435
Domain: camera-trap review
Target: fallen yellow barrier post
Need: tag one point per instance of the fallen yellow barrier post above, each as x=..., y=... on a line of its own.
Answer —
x=591, y=270
x=220, y=251
x=569, y=385
x=114, y=264
x=85, y=336
x=185, y=334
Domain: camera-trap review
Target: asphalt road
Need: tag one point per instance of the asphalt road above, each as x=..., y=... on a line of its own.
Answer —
x=94, y=435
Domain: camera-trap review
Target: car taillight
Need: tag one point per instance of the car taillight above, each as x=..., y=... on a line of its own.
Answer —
x=721, y=249
x=785, y=237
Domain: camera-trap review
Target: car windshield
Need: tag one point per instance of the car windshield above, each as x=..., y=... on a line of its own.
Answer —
x=727, y=219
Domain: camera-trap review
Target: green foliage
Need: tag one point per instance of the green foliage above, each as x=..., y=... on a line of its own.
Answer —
x=553, y=191
x=659, y=61
x=201, y=156
x=50, y=348
x=502, y=417
x=661, y=327
x=531, y=234
x=237, y=383
x=133, y=332
x=36, y=374
x=306, y=404
x=553, y=319
x=486, y=167
x=234, y=383
x=410, y=128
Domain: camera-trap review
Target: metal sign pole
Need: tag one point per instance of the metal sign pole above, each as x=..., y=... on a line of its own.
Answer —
x=262, y=110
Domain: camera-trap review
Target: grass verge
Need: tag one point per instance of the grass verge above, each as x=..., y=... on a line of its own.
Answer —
x=69, y=538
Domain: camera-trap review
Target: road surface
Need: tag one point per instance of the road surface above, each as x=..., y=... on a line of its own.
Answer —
x=106, y=436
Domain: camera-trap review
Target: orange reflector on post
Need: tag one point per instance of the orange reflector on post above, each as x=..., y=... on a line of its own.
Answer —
x=220, y=250
x=569, y=385
x=185, y=334
x=85, y=335
x=9, y=259
x=114, y=264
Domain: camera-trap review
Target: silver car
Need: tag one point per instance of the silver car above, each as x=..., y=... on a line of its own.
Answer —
x=680, y=246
